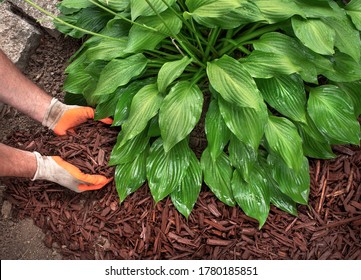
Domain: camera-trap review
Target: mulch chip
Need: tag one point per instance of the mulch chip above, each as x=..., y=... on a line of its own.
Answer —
x=93, y=225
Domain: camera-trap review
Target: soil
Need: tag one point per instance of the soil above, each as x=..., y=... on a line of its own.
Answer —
x=45, y=221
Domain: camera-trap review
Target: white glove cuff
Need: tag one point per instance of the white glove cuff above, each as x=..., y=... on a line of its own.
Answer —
x=55, y=111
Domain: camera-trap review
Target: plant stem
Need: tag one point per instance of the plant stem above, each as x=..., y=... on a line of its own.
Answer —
x=69, y=24
x=211, y=41
x=180, y=41
x=249, y=36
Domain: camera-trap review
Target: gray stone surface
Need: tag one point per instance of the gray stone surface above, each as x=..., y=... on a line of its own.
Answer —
x=41, y=18
x=18, y=38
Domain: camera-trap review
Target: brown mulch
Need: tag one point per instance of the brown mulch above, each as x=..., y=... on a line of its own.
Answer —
x=93, y=225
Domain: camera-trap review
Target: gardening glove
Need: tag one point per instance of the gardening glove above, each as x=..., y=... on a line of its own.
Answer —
x=55, y=169
x=61, y=117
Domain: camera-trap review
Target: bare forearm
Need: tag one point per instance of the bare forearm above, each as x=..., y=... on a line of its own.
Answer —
x=17, y=163
x=19, y=92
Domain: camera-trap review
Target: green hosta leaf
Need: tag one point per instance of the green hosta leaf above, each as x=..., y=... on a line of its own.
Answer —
x=295, y=184
x=131, y=176
x=300, y=56
x=253, y=197
x=125, y=99
x=185, y=196
x=246, y=123
x=179, y=113
x=116, y=5
x=145, y=105
x=124, y=153
x=171, y=71
x=278, y=10
x=318, y=9
x=314, y=147
x=142, y=8
x=71, y=6
x=107, y=49
x=332, y=111
x=245, y=13
x=267, y=65
x=90, y=19
x=141, y=38
x=75, y=83
x=347, y=37
x=282, y=201
x=217, y=176
x=216, y=130
x=344, y=69
x=284, y=140
x=286, y=94
x=74, y=99
x=353, y=90
x=107, y=107
x=242, y=156
x=211, y=8
x=119, y=72
x=234, y=83
x=315, y=34
x=353, y=9
x=154, y=130
x=165, y=171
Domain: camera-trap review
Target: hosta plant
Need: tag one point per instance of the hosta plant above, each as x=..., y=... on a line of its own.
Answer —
x=277, y=81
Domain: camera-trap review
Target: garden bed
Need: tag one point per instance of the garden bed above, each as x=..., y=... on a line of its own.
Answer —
x=93, y=225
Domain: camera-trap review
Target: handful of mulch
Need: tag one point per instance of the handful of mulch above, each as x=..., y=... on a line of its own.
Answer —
x=93, y=225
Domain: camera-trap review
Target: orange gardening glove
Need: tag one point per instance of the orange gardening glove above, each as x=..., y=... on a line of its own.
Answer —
x=61, y=117
x=57, y=170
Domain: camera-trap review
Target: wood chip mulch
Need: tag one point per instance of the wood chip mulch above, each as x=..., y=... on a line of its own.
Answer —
x=93, y=225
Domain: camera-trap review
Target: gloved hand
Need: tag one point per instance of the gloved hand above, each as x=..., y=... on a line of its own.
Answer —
x=55, y=169
x=61, y=117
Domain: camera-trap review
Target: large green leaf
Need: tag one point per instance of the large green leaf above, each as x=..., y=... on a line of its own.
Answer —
x=142, y=8
x=141, y=38
x=332, y=111
x=124, y=153
x=286, y=94
x=318, y=9
x=185, y=196
x=234, y=83
x=216, y=130
x=315, y=34
x=353, y=9
x=179, y=113
x=314, y=147
x=165, y=171
x=353, y=90
x=267, y=65
x=299, y=55
x=145, y=105
x=253, y=196
x=71, y=6
x=126, y=96
x=242, y=156
x=347, y=37
x=218, y=175
x=118, y=72
x=247, y=12
x=246, y=123
x=171, y=71
x=211, y=8
x=130, y=176
x=344, y=69
x=278, y=10
x=282, y=201
x=295, y=184
x=116, y=5
x=75, y=83
x=90, y=19
x=107, y=49
x=284, y=140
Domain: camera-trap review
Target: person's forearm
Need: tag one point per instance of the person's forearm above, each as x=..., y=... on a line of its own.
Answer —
x=17, y=163
x=19, y=92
